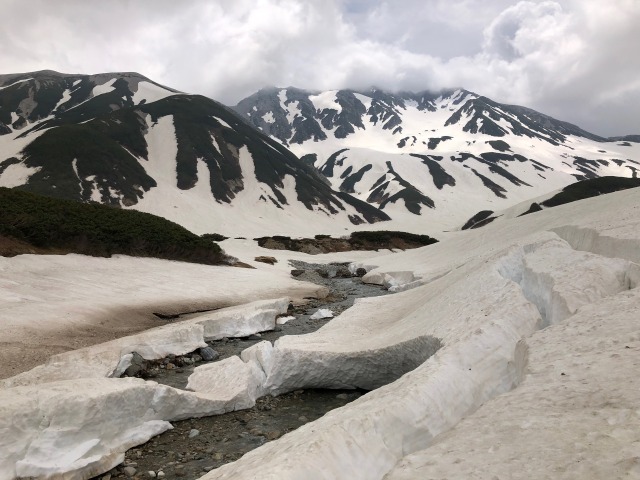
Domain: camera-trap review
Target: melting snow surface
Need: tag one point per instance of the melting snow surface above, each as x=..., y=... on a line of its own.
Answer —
x=16, y=83
x=150, y=92
x=104, y=88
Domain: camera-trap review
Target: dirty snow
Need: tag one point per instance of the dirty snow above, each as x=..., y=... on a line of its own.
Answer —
x=467, y=356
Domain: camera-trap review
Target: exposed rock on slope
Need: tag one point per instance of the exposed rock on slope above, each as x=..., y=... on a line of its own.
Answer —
x=121, y=139
x=356, y=241
x=571, y=193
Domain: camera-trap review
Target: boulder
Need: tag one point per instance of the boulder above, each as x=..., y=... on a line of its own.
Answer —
x=269, y=260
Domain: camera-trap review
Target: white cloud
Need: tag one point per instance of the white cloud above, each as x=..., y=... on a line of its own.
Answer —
x=573, y=59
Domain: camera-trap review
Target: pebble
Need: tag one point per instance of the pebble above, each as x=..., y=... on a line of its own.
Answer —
x=342, y=396
x=160, y=474
x=170, y=366
x=303, y=419
x=194, y=433
x=129, y=471
x=207, y=468
x=273, y=434
x=151, y=474
x=106, y=477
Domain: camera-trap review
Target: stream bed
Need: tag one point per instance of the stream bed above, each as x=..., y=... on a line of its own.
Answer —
x=198, y=445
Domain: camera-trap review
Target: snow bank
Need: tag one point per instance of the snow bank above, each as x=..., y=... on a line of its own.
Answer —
x=435, y=354
x=110, y=358
x=64, y=419
x=235, y=381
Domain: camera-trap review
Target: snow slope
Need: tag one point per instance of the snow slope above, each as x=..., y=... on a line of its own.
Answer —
x=249, y=214
x=573, y=416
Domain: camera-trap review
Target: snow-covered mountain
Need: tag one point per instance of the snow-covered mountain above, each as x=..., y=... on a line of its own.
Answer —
x=122, y=139
x=432, y=160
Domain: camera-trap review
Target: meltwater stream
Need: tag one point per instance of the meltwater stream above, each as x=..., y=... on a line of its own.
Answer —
x=198, y=445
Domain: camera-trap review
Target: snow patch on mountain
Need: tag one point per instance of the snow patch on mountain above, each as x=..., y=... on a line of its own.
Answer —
x=104, y=88
x=150, y=92
x=15, y=175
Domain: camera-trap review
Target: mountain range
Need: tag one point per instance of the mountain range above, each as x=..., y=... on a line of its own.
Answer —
x=431, y=160
x=121, y=139
x=286, y=160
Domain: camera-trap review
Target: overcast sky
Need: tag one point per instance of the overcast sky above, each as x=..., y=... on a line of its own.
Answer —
x=576, y=60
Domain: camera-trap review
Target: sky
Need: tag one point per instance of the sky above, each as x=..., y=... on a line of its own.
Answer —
x=576, y=60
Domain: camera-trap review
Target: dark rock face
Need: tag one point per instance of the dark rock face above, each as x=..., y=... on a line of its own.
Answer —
x=138, y=367
x=479, y=219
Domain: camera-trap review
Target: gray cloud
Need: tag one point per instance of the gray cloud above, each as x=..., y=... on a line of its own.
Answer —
x=576, y=60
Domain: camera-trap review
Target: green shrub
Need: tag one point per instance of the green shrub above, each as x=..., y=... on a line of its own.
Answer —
x=383, y=236
x=98, y=230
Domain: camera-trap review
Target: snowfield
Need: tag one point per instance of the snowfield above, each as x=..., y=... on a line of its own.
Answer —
x=509, y=351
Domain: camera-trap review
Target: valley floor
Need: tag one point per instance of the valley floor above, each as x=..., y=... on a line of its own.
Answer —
x=507, y=351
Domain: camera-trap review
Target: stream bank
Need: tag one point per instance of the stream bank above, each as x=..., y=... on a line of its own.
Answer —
x=198, y=445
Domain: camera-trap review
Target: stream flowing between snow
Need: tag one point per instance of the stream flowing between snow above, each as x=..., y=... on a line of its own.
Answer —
x=198, y=445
